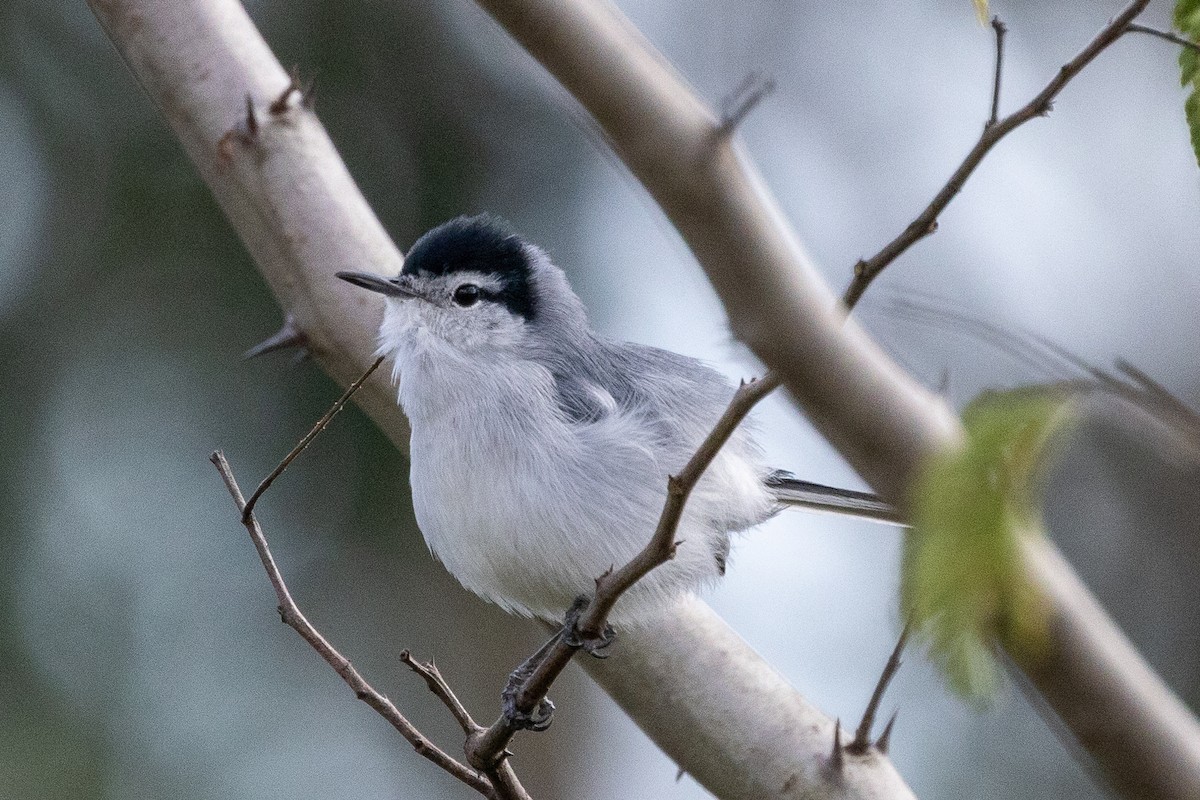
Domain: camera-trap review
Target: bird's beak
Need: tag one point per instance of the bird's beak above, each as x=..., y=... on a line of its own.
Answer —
x=391, y=287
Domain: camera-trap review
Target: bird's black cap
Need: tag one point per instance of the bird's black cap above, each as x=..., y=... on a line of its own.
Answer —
x=478, y=244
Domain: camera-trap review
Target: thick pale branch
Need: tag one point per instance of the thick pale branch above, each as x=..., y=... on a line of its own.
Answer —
x=280, y=183
x=880, y=420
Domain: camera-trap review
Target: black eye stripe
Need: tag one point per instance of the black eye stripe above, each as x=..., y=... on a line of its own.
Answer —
x=483, y=246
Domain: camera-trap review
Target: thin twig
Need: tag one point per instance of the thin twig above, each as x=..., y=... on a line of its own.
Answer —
x=488, y=747
x=307, y=440
x=1000, y=28
x=437, y=684
x=1174, y=38
x=294, y=617
x=862, y=736
x=866, y=270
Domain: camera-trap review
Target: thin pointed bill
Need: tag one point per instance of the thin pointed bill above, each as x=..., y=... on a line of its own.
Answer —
x=391, y=287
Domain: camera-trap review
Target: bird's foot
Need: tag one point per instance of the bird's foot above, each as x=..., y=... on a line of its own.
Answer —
x=539, y=718
x=595, y=644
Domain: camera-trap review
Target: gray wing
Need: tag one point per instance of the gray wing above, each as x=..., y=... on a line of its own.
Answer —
x=679, y=397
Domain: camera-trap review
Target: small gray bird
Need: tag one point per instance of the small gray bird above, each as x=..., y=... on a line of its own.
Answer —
x=541, y=449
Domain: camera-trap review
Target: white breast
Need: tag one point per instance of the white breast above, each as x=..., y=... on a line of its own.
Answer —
x=526, y=509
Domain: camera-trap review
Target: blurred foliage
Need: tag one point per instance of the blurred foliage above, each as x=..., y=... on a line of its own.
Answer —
x=963, y=585
x=1187, y=21
x=981, y=11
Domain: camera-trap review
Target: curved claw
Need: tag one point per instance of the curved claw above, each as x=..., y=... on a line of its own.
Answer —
x=538, y=720
x=596, y=646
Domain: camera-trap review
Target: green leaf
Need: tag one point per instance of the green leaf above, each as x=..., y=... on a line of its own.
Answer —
x=963, y=584
x=1187, y=22
x=981, y=9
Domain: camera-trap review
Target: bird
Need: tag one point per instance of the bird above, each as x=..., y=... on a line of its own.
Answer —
x=540, y=448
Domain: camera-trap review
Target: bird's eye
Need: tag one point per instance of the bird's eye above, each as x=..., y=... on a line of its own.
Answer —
x=466, y=295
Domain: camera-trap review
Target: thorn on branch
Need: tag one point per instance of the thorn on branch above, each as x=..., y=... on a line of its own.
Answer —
x=862, y=736
x=244, y=132
x=738, y=105
x=251, y=118
x=837, y=759
x=280, y=104
x=885, y=739
x=287, y=337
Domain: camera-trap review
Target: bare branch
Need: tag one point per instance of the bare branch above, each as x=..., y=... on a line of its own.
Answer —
x=316, y=429
x=1173, y=38
x=294, y=617
x=437, y=684
x=925, y=224
x=999, y=27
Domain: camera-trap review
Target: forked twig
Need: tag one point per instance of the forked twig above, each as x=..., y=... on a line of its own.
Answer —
x=867, y=270
x=291, y=614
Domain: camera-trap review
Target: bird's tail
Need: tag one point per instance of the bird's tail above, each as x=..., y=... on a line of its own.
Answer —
x=818, y=497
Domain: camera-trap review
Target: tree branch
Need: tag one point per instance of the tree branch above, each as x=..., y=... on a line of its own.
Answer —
x=878, y=418
x=291, y=614
x=1173, y=38
x=867, y=270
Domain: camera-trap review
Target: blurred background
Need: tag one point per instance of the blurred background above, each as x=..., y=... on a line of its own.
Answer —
x=142, y=655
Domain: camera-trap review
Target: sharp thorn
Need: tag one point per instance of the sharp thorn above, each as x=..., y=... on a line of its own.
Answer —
x=885, y=738
x=251, y=118
x=308, y=93
x=749, y=93
x=285, y=338
x=837, y=760
x=679, y=775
